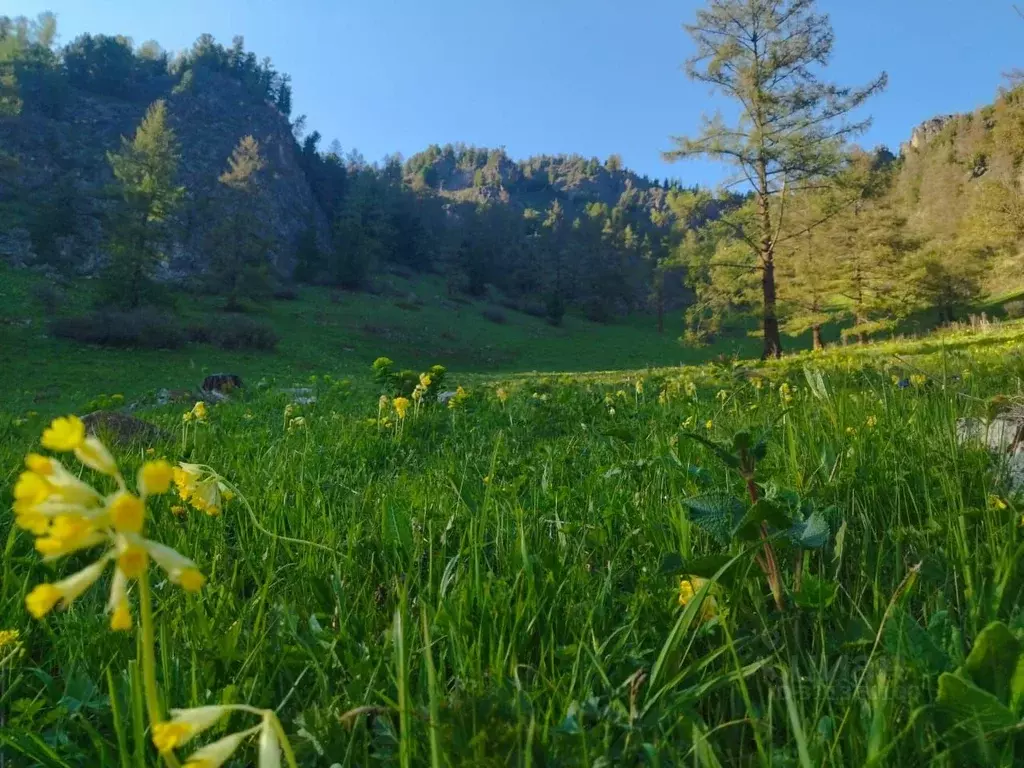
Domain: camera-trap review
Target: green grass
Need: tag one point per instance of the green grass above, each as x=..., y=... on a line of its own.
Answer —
x=498, y=584
x=323, y=332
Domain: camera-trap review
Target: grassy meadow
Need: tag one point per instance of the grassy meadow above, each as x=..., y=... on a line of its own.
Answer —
x=559, y=570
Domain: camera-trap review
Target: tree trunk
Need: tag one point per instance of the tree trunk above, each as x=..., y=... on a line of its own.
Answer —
x=772, y=339
x=816, y=337
x=659, y=300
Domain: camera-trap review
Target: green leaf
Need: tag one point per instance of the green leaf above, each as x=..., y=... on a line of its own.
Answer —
x=904, y=637
x=992, y=663
x=741, y=441
x=749, y=526
x=671, y=563
x=816, y=593
x=707, y=566
x=811, y=533
x=715, y=512
x=970, y=704
x=720, y=451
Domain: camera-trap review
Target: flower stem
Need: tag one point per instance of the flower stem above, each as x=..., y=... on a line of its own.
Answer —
x=149, y=662
x=282, y=737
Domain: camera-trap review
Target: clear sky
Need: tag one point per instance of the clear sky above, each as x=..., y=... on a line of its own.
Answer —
x=549, y=76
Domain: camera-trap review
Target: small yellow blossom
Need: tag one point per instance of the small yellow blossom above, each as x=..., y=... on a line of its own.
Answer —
x=872, y=422
x=401, y=405
x=126, y=512
x=691, y=389
x=64, y=434
x=185, y=724
x=639, y=386
x=918, y=380
x=502, y=395
x=851, y=431
x=722, y=395
x=689, y=586
x=709, y=425
x=9, y=637
x=155, y=477
x=994, y=502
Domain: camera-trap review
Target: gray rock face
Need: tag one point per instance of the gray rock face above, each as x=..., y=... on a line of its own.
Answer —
x=925, y=132
x=1003, y=437
x=209, y=118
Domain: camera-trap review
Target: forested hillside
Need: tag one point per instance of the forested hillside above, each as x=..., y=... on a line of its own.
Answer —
x=110, y=150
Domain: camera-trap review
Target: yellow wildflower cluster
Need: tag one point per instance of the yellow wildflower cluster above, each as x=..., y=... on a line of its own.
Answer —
x=198, y=414
x=401, y=405
x=185, y=724
x=689, y=586
x=458, y=399
x=67, y=515
x=201, y=487
x=785, y=393
x=918, y=380
x=421, y=389
x=502, y=395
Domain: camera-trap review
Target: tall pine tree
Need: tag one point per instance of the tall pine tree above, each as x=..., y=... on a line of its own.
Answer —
x=764, y=55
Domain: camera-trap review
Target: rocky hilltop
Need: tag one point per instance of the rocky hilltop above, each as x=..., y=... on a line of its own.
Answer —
x=57, y=184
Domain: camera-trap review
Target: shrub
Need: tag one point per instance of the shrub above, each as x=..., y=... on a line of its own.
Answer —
x=1014, y=309
x=235, y=332
x=494, y=315
x=286, y=293
x=144, y=328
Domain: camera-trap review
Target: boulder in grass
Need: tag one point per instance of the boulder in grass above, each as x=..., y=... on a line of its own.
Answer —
x=122, y=428
x=220, y=385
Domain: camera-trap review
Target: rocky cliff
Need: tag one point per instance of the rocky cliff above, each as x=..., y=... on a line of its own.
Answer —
x=57, y=188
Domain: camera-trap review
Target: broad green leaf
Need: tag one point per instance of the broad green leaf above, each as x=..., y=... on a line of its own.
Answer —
x=749, y=526
x=816, y=593
x=992, y=662
x=904, y=637
x=741, y=441
x=811, y=533
x=723, y=453
x=970, y=704
x=715, y=512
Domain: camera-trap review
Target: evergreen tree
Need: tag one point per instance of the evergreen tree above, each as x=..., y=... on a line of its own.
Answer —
x=763, y=54
x=145, y=168
x=237, y=246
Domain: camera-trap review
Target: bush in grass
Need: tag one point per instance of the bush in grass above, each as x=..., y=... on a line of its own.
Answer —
x=1014, y=309
x=143, y=328
x=236, y=332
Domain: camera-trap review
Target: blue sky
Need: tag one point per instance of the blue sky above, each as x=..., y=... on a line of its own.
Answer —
x=549, y=76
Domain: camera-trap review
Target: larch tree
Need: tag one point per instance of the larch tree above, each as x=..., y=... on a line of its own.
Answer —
x=766, y=57
x=145, y=168
x=238, y=248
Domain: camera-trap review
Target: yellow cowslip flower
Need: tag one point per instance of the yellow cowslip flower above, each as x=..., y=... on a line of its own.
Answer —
x=401, y=406
x=155, y=477
x=994, y=502
x=691, y=389
x=132, y=559
x=65, y=433
x=383, y=402
x=127, y=512
x=67, y=534
x=270, y=747
x=217, y=753
x=41, y=465
x=94, y=454
x=296, y=423
x=709, y=425
x=202, y=488
x=757, y=382
x=425, y=380
x=460, y=397
x=871, y=422
x=785, y=393
x=184, y=724
x=722, y=395
x=639, y=386
x=9, y=637
x=689, y=586
x=502, y=395
x=41, y=600
x=120, y=612
x=180, y=570
x=918, y=380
